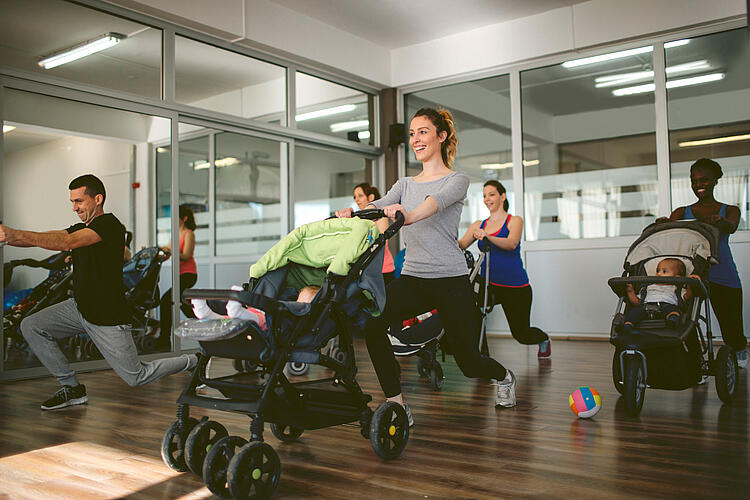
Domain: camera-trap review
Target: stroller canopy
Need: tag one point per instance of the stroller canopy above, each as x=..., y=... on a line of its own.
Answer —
x=688, y=239
x=328, y=246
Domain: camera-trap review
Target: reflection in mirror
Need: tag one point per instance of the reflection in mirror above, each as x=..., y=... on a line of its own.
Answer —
x=589, y=147
x=481, y=110
x=710, y=119
x=324, y=181
x=43, y=152
x=331, y=109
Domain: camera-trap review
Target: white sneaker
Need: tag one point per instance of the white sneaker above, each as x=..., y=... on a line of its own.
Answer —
x=742, y=358
x=506, y=391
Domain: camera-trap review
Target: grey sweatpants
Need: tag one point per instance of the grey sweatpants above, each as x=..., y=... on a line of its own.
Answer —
x=41, y=330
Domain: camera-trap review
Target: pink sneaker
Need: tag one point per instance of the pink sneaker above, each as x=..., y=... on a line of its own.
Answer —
x=545, y=350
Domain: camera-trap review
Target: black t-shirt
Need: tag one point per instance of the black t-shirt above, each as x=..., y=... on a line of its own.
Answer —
x=97, y=273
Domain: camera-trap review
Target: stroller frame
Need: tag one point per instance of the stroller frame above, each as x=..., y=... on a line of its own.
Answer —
x=252, y=469
x=630, y=364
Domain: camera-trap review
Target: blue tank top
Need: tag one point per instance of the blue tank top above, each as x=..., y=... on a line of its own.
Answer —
x=725, y=272
x=506, y=266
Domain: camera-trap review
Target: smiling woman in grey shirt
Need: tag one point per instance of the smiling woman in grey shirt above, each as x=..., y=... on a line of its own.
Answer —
x=434, y=275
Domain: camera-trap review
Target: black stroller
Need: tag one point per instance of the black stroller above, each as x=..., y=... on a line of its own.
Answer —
x=654, y=354
x=296, y=332
x=421, y=336
x=55, y=288
x=140, y=276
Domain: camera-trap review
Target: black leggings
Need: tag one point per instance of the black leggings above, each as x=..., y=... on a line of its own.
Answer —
x=187, y=280
x=516, y=302
x=407, y=297
x=727, y=305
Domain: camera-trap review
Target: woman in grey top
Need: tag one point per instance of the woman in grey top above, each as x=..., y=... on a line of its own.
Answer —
x=434, y=275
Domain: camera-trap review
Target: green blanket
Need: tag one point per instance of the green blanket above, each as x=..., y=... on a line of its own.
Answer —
x=332, y=244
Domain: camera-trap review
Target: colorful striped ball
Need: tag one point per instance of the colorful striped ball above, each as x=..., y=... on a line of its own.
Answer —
x=585, y=402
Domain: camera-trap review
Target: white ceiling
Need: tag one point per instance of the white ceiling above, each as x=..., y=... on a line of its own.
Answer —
x=399, y=23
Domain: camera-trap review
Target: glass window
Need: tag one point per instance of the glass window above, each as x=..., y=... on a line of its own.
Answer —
x=708, y=98
x=33, y=32
x=332, y=109
x=589, y=147
x=220, y=80
x=194, y=168
x=47, y=142
x=481, y=110
x=323, y=182
x=248, y=194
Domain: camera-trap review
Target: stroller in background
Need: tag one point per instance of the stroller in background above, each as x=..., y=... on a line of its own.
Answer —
x=421, y=336
x=351, y=285
x=55, y=288
x=654, y=355
x=140, y=276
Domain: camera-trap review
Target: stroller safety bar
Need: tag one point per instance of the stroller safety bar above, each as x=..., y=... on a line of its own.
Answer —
x=619, y=285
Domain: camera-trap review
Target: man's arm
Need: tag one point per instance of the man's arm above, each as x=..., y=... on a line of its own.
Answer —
x=50, y=240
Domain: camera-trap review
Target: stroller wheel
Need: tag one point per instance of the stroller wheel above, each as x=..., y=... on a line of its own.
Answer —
x=634, y=385
x=726, y=373
x=254, y=471
x=148, y=343
x=389, y=430
x=286, y=433
x=199, y=443
x=616, y=375
x=421, y=367
x=297, y=368
x=216, y=463
x=436, y=376
x=173, y=445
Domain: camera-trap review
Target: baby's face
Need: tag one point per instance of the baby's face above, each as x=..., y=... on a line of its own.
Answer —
x=666, y=269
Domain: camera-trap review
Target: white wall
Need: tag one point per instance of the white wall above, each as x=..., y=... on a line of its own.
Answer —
x=588, y=24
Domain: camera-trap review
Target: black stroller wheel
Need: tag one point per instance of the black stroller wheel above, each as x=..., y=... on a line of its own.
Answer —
x=298, y=368
x=173, y=445
x=148, y=343
x=200, y=441
x=254, y=471
x=726, y=373
x=616, y=375
x=286, y=433
x=634, y=385
x=436, y=376
x=217, y=462
x=389, y=430
x=421, y=369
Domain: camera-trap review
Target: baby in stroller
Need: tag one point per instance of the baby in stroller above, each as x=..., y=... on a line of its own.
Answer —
x=344, y=257
x=659, y=298
x=658, y=343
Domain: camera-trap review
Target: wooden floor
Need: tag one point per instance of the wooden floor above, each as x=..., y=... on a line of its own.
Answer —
x=685, y=444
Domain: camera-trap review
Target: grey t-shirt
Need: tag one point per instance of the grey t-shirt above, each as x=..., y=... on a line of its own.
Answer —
x=432, y=244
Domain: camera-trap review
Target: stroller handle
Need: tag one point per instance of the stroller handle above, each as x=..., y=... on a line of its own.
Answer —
x=375, y=214
x=618, y=285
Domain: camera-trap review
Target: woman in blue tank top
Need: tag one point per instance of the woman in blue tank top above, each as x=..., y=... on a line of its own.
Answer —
x=508, y=281
x=724, y=287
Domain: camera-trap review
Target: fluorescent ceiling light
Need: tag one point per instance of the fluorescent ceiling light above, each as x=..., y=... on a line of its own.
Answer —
x=85, y=49
x=325, y=112
x=201, y=165
x=684, y=82
x=365, y=134
x=352, y=125
x=622, y=78
x=162, y=150
x=717, y=140
x=8, y=128
x=618, y=55
x=500, y=166
x=226, y=162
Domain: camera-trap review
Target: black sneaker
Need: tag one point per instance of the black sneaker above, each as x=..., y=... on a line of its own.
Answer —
x=66, y=396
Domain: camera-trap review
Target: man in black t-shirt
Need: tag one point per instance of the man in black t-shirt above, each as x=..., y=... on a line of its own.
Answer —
x=98, y=305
